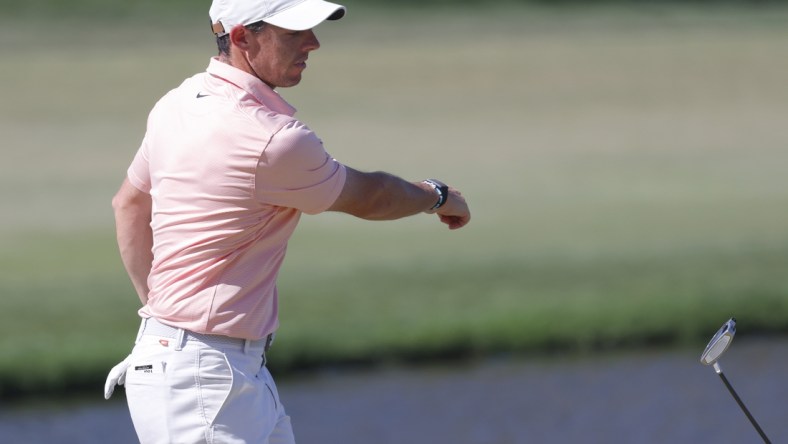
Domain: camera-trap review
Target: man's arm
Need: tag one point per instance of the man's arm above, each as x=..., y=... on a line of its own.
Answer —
x=382, y=196
x=135, y=238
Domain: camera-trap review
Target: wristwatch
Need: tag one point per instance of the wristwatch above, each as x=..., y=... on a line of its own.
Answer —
x=441, y=189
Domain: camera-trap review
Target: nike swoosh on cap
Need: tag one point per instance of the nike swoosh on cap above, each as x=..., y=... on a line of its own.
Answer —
x=201, y=95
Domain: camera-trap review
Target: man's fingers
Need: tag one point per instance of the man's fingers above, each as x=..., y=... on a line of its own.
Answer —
x=455, y=222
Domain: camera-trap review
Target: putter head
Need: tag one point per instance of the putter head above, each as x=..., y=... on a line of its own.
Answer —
x=719, y=343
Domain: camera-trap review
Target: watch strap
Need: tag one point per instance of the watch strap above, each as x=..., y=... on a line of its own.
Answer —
x=441, y=189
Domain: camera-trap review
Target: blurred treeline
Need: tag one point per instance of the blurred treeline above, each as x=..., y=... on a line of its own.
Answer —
x=142, y=8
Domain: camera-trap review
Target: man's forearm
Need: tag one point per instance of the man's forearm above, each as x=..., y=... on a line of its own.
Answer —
x=394, y=198
x=382, y=196
x=135, y=251
x=134, y=236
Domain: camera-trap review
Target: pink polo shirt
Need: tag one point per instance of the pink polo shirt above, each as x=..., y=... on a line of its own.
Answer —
x=229, y=171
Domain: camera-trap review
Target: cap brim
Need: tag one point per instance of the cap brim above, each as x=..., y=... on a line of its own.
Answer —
x=307, y=15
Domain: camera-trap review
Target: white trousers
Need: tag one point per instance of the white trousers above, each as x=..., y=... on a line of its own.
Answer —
x=184, y=391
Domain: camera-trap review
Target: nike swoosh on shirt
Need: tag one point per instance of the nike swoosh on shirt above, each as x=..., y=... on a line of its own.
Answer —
x=201, y=95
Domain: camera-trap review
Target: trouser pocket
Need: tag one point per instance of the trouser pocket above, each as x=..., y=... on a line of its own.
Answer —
x=214, y=383
x=147, y=393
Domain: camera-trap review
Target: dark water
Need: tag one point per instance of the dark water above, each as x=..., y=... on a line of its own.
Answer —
x=654, y=397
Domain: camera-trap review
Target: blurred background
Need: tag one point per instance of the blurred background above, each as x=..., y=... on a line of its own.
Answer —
x=624, y=161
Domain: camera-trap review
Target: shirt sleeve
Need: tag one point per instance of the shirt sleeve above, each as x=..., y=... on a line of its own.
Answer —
x=139, y=171
x=295, y=171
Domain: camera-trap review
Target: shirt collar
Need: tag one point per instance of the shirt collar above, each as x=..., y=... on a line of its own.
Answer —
x=251, y=84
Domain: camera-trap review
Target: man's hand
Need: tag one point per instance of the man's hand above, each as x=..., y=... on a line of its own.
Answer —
x=454, y=212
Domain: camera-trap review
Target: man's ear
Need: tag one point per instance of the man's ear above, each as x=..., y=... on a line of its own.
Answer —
x=239, y=36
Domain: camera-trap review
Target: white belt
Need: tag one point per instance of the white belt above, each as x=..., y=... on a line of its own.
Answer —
x=152, y=327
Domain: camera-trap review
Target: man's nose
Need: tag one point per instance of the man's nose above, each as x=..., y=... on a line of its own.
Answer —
x=312, y=43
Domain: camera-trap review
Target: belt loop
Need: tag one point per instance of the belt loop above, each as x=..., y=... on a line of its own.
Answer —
x=179, y=339
x=269, y=341
x=247, y=342
x=141, y=330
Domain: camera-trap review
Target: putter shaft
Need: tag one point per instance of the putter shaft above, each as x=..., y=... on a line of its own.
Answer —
x=741, y=404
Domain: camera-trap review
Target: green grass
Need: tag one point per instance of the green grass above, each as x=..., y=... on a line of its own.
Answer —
x=625, y=169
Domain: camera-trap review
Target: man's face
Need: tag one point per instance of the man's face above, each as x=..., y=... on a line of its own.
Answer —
x=278, y=56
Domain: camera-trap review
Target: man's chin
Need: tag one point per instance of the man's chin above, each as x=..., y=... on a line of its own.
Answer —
x=292, y=81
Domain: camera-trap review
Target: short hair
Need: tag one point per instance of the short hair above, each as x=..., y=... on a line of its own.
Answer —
x=223, y=42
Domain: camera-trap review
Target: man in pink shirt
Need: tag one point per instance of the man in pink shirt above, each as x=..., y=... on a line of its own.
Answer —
x=203, y=220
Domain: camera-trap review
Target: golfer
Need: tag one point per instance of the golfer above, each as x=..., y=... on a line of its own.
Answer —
x=204, y=216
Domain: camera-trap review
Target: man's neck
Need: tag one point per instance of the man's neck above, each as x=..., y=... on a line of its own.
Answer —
x=239, y=62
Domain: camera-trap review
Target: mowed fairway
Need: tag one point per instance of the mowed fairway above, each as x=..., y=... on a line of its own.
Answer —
x=626, y=171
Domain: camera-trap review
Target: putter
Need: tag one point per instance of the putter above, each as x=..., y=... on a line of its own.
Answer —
x=717, y=346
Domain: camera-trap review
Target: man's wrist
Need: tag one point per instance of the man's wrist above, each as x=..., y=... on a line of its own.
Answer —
x=441, y=190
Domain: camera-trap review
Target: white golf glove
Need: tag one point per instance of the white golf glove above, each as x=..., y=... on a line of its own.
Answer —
x=117, y=376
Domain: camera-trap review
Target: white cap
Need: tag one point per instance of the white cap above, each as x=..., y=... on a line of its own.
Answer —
x=295, y=15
